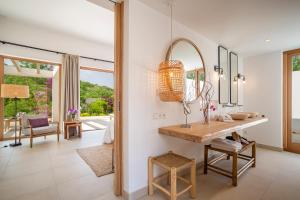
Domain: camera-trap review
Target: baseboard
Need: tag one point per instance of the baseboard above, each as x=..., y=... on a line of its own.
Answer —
x=144, y=191
x=136, y=194
x=263, y=146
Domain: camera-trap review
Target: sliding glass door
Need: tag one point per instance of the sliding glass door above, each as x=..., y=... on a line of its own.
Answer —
x=96, y=98
x=293, y=100
x=44, y=93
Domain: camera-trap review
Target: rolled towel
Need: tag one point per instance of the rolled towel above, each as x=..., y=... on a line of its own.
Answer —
x=109, y=133
x=226, y=144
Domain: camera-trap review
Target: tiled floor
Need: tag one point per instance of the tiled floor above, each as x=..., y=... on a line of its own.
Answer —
x=276, y=177
x=52, y=170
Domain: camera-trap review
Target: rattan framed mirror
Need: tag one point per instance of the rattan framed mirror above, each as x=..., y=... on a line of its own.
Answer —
x=190, y=55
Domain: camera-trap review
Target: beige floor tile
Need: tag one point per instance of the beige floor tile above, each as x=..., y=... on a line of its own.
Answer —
x=15, y=187
x=65, y=158
x=52, y=170
x=25, y=168
x=28, y=157
x=276, y=176
x=286, y=186
x=5, y=151
x=49, y=193
x=89, y=187
x=38, y=173
x=71, y=171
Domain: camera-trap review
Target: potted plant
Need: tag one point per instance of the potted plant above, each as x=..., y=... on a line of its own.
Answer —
x=72, y=112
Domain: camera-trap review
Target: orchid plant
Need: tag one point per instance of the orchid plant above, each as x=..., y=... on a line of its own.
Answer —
x=72, y=112
x=213, y=107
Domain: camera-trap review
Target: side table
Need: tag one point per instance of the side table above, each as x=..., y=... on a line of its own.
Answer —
x=76, y=124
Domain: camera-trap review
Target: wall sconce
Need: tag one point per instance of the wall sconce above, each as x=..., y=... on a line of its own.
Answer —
x=219, y=70
x=241, y=77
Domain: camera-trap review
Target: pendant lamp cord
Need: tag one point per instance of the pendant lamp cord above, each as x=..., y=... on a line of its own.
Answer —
x=171, y=8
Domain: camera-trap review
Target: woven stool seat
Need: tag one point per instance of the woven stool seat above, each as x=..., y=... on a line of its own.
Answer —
x=170, y=160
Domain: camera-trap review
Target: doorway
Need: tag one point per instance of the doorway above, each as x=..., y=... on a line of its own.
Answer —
x=44, y=82
x=116, y=104
x=291, y=107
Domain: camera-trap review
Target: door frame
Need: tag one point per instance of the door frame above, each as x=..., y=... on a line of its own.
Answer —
x=118, y=100
x=36, y=61
x=287, y=102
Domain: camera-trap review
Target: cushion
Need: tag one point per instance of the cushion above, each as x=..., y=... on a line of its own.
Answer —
x=52, y=128
x=39, y=122
x=25, y=118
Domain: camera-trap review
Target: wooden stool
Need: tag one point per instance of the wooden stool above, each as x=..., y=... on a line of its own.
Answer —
x=173, y=163
x=77, y=126
x=235, y=172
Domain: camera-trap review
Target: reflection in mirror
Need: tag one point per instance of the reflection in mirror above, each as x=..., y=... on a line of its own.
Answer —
x=188, y=53
x=233, y=59
x=223, y=81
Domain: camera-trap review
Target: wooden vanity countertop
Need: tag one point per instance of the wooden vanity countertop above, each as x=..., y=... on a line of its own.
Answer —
x=203, y=132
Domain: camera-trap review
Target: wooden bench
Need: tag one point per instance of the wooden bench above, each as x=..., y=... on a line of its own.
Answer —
x=235, y=172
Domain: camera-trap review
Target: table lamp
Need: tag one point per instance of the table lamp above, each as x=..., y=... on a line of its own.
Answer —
x=15, y=92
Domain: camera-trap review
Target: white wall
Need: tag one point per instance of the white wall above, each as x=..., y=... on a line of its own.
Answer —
x=147, y=37
x=263, y=93
x=17, y=32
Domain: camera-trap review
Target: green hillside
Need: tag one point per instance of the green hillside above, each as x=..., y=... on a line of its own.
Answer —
x=102, y=97
x=40, y=99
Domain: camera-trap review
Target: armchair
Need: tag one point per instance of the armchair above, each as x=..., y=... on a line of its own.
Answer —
x=32, y=132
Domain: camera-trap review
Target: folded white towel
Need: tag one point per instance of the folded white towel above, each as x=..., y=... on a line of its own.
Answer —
x=109, y=133
x=225, y=144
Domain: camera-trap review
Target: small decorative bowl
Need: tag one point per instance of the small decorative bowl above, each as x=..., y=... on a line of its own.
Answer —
x=251, y=114
x=239, y=116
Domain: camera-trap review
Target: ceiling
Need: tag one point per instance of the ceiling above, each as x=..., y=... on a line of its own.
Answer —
x=79, y=18
x=240, y=25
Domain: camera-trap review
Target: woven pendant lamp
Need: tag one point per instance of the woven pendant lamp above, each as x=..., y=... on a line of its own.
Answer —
x=171, y=81
x=171, y=76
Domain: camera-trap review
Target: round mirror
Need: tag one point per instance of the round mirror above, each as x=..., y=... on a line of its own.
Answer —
x=188, y=53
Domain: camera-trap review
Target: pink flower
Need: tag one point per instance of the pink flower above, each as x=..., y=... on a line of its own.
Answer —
x=213, y=108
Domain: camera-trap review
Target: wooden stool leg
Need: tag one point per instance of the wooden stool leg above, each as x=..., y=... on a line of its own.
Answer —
x=205, y=158
x=228, y=157
x=254, y=154
x=169, y=178
x=193, y=192
x=150, y=176
x=65, y=132
x=173, y=183
x=80, y=131
x=68, y=132
x=234, y=169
